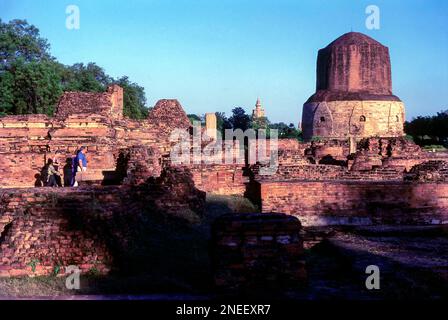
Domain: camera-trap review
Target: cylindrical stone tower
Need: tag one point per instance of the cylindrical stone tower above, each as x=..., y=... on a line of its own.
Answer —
x=353, y=92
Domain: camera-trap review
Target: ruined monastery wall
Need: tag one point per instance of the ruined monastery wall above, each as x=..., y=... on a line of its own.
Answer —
x=220, y=179
x=87, y=227
x=93, y=120
x=346, y=202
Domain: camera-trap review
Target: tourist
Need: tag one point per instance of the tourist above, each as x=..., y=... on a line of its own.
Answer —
x=80, y=164
x=68, y=172
x=52, y=173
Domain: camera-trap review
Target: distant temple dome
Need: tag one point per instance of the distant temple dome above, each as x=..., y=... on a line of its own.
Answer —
x=353, y=78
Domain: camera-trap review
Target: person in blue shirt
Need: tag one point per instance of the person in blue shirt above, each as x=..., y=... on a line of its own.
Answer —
x=80, y=164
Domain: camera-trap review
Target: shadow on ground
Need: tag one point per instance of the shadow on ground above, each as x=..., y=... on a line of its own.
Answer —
x=170, y=256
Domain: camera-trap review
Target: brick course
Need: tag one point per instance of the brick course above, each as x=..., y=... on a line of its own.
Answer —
x=357, y=202
x=88, y=227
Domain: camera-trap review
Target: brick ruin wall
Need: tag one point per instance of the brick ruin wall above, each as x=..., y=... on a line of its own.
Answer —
x=109, y=103
x=43, y=228
x=376, y=160
x=49, y=228
x=220, y=179
x=348, y=202
x=27, y=142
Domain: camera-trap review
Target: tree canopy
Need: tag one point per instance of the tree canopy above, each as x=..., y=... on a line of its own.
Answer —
x=430, y=129
x=286, y=131
x=194, y=117
x=32, y=81
x=19, y=40
x=239, y=119
x=33, y=87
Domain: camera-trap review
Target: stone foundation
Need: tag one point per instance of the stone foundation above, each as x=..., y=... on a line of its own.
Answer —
x=343, y=119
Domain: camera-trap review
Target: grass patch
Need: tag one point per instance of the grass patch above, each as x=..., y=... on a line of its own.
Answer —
x=234, y=204
x=435, y=147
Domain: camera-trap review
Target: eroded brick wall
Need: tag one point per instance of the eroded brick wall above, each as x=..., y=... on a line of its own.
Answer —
x=357, y=202
x=220, y=179
x=93, y=120
x=48, y=228
x=87, y=227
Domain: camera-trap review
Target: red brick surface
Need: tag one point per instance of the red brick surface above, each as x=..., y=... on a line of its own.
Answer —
x=94, y=120
x=87, y=227
x=257, y=251
x=345, y=202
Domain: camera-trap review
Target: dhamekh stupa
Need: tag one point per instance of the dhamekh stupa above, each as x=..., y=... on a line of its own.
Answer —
x=353, y=97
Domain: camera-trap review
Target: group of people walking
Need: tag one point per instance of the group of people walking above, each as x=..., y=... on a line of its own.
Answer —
x=75, y=165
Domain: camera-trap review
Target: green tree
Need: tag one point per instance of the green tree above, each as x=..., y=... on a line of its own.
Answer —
x=32, y=87
x=6, y=93
x=19, y=40
x=287, y=131
x=87, y=78
x=194, y=117
x=29, y=81
x=222, y=123
x=239, y=119
x=429, y=130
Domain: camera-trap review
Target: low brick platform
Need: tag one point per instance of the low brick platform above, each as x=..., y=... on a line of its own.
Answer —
x=257, y=252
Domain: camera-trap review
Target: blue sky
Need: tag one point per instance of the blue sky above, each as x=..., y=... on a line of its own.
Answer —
x=215, y=55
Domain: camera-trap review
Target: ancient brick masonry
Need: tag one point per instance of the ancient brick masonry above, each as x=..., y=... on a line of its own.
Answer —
x=94, y=120
x=386, y=181
x=135, y=165
x=50, y=229
x=429, y=171
x=354, y=63
x=109, y=104
x=168, y=115
x=357, y=202
x=257, y=252
x=175, y=192
x=220, y=178
x=45, y=228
